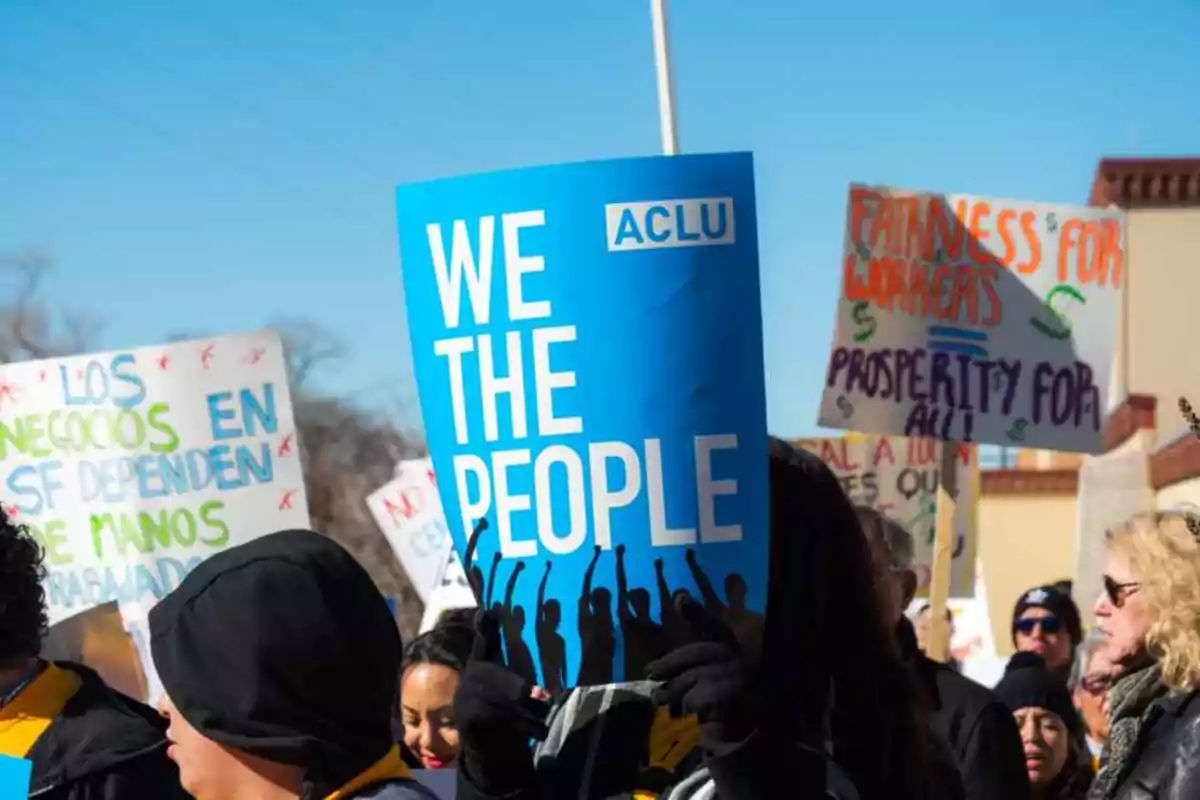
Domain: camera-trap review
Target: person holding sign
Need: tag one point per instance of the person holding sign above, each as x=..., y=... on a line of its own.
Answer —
x=587, y=399
x=714, y=722
x=279, y=659
x=977, y=727
x=86, y=741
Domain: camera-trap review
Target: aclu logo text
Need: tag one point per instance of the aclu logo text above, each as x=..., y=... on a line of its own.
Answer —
x=654, y=224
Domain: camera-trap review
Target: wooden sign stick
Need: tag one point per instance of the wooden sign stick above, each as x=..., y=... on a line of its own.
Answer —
x=943, y=553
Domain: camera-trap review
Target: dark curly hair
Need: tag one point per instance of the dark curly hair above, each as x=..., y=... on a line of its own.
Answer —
x=23, y=620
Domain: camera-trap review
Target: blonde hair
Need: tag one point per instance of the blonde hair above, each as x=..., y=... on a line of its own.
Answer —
x=1165, y=556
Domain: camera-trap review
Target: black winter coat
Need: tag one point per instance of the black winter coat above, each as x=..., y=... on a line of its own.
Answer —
x=1167, y=757
x=103, y=746
x=979, y=729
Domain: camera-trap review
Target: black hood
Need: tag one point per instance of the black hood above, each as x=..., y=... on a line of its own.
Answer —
x=283, y=648
x=101, y=731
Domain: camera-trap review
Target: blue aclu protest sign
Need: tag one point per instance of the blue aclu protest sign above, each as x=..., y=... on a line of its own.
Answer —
x=15, y=774
x=588, y=348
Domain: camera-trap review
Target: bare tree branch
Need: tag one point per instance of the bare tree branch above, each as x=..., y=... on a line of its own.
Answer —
x=307, y=346
x=28, y=329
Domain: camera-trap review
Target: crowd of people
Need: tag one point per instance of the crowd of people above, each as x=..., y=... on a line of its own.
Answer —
x=285, y=679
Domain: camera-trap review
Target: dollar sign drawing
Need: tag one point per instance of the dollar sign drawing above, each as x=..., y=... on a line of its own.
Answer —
x=845, y=405
x=862, y=317
x=1059, y=326
x=1051, y=222
x=1017, y=431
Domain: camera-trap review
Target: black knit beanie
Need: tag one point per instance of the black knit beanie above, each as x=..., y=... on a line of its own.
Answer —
x=1028, y=684
x=283, y=648
x=1057, y=603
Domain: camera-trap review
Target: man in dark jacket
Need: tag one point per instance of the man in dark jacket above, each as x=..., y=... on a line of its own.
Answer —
x=86, y=741
x=977, y=726
x=280, y=661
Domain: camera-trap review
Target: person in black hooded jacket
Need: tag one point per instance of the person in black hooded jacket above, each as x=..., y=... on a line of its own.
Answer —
x=829, y=681
x=279, y=661
x=978, y=728
x=86, y=741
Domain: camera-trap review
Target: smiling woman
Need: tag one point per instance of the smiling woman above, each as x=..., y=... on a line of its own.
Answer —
x=429, y=678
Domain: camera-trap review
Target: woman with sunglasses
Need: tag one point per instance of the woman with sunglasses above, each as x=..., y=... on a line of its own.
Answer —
x=1046, y=621
x=1149, y=616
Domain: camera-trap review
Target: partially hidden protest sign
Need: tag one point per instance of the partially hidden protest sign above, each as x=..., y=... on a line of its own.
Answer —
x=588, y=347
x=131, y=467
x=409, y=512
x=972, y=319
x=1112, y=488
x=898, y=477
x=97, y=638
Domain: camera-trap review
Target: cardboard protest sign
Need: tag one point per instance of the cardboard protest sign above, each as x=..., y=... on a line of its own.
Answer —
x=409, y=512
x=98, y=639
x=588, y=347
x=899, y=477
x=972, y=319
x=131, y=467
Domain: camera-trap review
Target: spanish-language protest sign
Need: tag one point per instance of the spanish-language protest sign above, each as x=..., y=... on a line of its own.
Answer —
x=899, y=477
x=409, y=512
x=588, y=348
x=131, y=467
x=972, y=319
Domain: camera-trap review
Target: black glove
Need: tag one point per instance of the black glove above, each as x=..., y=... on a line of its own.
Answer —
x=496, y=717
x=705, y=676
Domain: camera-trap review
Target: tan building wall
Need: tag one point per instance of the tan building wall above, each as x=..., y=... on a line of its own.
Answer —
x=1163, y=311
x=1048, y=459
x=1024, y=541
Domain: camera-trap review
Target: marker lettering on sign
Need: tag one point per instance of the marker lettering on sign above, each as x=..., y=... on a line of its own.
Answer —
x=503, y=369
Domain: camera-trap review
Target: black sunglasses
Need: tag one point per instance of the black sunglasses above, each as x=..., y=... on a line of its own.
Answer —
x=1117, y=592
x=1048, y=624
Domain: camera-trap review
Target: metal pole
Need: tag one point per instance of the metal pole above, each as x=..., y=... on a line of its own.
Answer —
x=666, y=88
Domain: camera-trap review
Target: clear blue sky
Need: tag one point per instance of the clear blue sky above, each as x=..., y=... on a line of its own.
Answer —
x=212, y=166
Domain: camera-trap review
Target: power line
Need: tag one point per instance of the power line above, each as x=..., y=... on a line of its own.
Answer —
x=246, y=168
x=249, y=110
x=308, y=78
x=327, y=23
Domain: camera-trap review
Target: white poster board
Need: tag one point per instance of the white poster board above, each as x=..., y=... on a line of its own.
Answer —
x=408, y=509
x=131, y=467
x=452, y=592
x=974, y=319
x=1112, y=488
x=899, y=478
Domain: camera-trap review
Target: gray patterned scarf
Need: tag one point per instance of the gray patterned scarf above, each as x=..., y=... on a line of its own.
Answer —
x=1130, y=701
